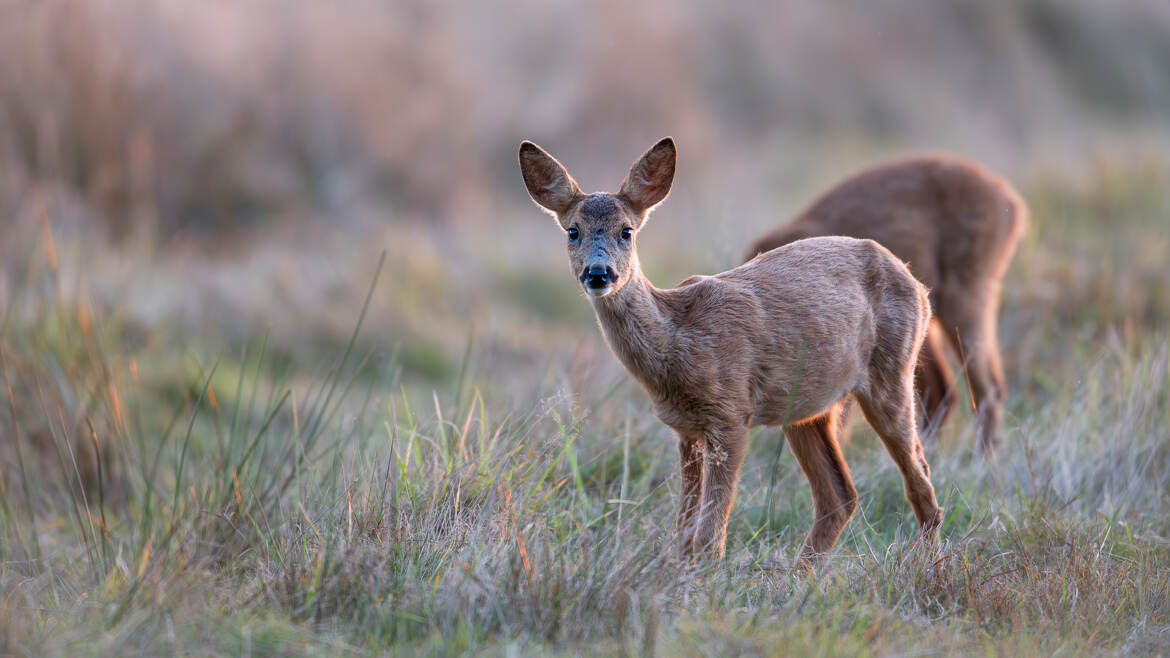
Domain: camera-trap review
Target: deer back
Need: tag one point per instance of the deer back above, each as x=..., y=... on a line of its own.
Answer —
x=947, y=217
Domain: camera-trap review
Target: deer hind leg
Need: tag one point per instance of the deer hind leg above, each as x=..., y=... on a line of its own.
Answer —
x=814, y=444
x=935, y=383
x=890, y=411
x=723, y=453
x=690, y=452
x=973, y=337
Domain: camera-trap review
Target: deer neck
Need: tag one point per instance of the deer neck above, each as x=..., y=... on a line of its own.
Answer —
x=638, y=329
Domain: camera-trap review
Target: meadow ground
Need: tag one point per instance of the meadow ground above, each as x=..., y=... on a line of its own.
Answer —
x=246, y=454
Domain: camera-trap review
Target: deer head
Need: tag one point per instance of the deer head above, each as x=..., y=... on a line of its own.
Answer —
x=600, y=227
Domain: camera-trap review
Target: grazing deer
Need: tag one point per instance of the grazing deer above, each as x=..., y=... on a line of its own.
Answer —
x=957, y=226
x=786, y=337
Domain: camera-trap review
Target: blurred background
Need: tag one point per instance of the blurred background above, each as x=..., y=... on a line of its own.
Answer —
x=205, y=406
x=199, y=173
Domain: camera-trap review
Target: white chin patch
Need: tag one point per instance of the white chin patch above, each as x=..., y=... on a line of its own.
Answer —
x=598, y=292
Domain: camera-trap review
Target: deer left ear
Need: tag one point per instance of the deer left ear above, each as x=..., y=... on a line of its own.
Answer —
x=650, y=177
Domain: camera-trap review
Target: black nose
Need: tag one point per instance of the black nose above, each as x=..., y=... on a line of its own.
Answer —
x=597, y=276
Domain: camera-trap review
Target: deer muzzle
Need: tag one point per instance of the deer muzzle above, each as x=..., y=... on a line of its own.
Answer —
x=597, y=277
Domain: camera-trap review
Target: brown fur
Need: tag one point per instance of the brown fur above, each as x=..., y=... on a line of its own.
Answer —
x=957, y=226
x=786, y=337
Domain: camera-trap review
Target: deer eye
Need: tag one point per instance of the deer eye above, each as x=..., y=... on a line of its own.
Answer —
x=627, y=233
x=574, y=234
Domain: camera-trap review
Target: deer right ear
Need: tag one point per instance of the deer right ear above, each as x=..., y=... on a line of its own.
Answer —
x=548, y=183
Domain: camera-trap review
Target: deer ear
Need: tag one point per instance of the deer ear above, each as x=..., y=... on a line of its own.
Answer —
x=548, y=183
x=650, y=177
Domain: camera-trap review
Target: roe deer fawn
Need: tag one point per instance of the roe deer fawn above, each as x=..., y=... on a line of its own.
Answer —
x=957, y=225
x=789, y=335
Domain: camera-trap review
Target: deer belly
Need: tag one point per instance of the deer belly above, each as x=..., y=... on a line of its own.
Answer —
x=808, y=398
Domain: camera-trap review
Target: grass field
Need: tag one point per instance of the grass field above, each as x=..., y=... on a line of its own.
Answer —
x=317, y=452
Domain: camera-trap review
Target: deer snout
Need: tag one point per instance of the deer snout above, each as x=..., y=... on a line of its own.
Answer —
x=597, y=276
